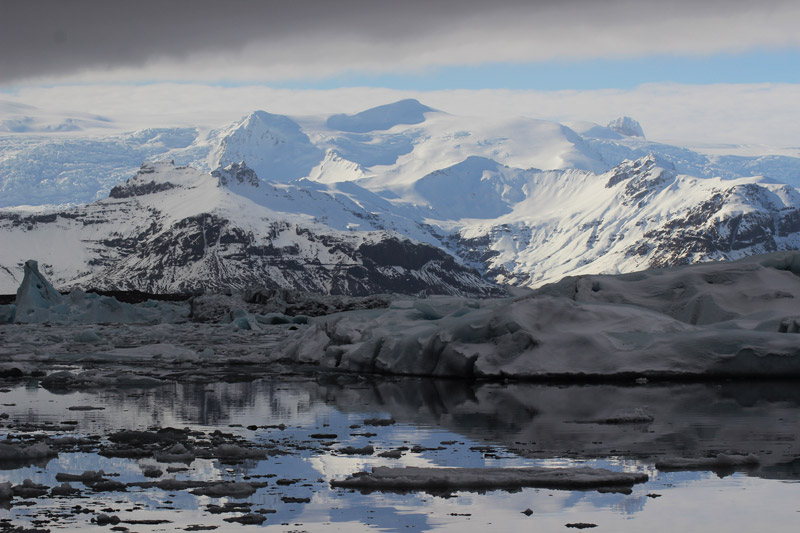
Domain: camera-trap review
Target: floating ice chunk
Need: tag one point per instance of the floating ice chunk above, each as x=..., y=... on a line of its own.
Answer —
x=280, y=318
x=232, y=489
x=20, y=452
x=241, y=319
x=6, y=492
x=87, y=335
x=15, y=369
x=248, y=519
x=29, y=489
x=722, y=461
x=65, y=380
x=104, y=519
x=161, y=350
x=351, y=450
x=425, y=478
x=234, y=451
x=88, y=476
x=177, y=453
x=65, y=489
x=636, y=416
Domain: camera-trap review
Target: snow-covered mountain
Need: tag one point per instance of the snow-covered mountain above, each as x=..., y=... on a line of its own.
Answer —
x=640, y=214
x=395, y=198
x=173, y=228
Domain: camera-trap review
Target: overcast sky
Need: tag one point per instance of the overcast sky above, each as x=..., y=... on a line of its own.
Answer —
x=245, y=40
x=692, y=70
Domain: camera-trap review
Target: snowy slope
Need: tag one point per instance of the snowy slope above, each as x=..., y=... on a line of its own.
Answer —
x=176, y=228
x=636, y=216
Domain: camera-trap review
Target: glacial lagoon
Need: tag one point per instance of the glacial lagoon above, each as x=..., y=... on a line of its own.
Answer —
x=319, y=428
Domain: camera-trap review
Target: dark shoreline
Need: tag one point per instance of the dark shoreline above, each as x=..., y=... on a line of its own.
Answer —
x=130, y=297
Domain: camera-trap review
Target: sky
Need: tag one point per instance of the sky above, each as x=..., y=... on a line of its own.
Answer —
x=730, y=66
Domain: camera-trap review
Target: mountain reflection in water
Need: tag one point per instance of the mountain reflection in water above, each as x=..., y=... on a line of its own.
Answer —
x=435, y=423
x=531, y=420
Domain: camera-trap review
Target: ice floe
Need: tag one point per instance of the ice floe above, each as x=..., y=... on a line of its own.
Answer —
x=422, y=478
x=722, y=461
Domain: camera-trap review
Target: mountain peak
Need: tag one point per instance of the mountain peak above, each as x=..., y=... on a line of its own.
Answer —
x=274, y=146
x=269, y=120
x=627, y=126
x=384, y=117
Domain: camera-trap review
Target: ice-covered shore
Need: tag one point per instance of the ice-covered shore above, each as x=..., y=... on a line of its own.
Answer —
x=714, y=319
x=727, y=319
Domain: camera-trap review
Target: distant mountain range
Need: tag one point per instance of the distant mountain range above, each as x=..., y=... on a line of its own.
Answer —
x=398, y=198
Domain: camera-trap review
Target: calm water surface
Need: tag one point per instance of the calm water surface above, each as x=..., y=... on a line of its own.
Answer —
x=451, y=424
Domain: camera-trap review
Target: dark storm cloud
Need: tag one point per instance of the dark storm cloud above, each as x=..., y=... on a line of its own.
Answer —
x=62, y=37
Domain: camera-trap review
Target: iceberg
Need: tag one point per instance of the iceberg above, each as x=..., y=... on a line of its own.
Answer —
x=726, y=319
x=39, y=302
